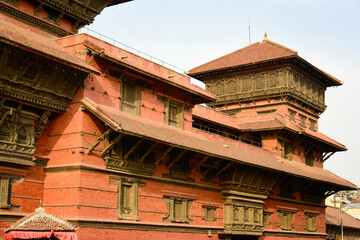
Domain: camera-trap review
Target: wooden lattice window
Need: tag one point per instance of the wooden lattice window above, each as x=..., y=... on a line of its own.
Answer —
x=209, y=213
x=274, y=80
x=178, y=209
x=219, y=89
x=174, y=114
x=5, y=190
x=130, y=97
x=246, y=84
x=128, y=199
x=302, y=120
x=292, y=115
x=232, y=87
x=260, y=83
x=310, y=219
x=286, y=220
x=312, y=124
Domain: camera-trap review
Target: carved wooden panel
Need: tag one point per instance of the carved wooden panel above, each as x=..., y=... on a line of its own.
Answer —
x=34, y=80
x=19, y=131
x=4, y=192
x=178, y=209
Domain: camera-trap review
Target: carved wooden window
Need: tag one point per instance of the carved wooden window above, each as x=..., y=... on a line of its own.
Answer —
x=287, y=150
x=5, y=191
x=246, y=84
x=178, y=209
x=302, y=120
x=310, y=222
x=267, y=215
x=219, y=89
x=286, y=220
x=312, y=124
x=260, y=83
x=232, y=87
x=128, y=199
x=274, y=80
x=174, y=114
x=130, y=100
x=292, y=114
x=209, y=213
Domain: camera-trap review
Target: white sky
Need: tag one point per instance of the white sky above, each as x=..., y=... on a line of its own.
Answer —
x=188, y=33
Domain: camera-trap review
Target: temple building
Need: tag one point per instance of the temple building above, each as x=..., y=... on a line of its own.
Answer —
x=115, y=146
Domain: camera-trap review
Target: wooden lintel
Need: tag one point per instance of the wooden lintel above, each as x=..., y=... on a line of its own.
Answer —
x=112, y=144
x=100, y=139
x=328, y=156
x=177, y=158
x=132, y=148
x=212, y=166
x=199, y=163
x=148, y=151
x=223, y=169
x=164, y=154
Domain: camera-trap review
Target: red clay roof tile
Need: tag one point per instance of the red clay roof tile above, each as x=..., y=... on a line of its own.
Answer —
x=333, y=218
x=134, y=125
x=256, y=53
x=41, y=221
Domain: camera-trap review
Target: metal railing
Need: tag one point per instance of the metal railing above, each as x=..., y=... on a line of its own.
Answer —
x=132, y=50
x=227, y=135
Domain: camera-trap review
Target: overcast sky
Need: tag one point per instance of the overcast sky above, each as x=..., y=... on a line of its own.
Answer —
x=188, y=33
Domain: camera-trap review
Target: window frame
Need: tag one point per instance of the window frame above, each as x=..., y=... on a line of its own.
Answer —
x=180, y=114
x=137, y=95
x=131, y=212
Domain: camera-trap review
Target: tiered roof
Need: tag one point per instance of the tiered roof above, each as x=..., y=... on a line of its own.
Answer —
x=258, y=55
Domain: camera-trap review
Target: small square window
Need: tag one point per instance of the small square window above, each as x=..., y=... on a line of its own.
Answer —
x=302, y=120
x=178, y=209
x=287, y=150
x=209, y=213
x=292, y=114
x=312, y=124
x=174, y=114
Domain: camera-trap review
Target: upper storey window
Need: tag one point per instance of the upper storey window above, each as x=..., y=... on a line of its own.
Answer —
x=174, y=114
x=130, y=100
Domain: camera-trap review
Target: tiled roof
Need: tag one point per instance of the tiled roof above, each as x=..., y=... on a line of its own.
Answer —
x=262, y=123
x=333, y=217
x=276, y=121
x=23, y=38
x=41, y=221
x=257, y=52
x=134, y=125
x=254, y=54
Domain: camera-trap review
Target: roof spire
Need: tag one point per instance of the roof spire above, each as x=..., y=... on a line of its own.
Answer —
x=265, y=37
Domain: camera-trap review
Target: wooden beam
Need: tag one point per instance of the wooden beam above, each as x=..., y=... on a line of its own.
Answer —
x=308, y=150
x=223, y=169
x=100, y=139
x=132, y=149
x=4, y=117
x=328, y=156
x=164, y=154
x=212, y=166
x=177, y=158
x=199, y=163
x=148, y=151
x=112, y=144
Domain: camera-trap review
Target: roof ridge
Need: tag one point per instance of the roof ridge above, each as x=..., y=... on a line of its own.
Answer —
x=281, y=46
x=224, y=56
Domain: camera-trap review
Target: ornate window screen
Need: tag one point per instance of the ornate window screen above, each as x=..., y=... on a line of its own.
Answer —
x=5, y=190
x=128, y=199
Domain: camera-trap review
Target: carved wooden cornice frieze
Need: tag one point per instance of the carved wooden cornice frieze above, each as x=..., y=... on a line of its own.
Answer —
x=269, y=93
x=26, y=17
x=36, y=81
x=19, y=131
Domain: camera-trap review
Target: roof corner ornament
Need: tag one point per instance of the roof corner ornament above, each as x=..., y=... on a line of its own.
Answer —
x=265, y=37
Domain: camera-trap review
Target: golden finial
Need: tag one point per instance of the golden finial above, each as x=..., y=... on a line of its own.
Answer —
x=265, y=37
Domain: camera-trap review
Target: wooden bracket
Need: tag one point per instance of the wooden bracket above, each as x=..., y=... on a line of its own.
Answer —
x=177, y=158
x=132, y=149
x=164, y=154
x=112, y=144
x=100, y=139
x=223, y=169
x=148, y=151
x=199, y=163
